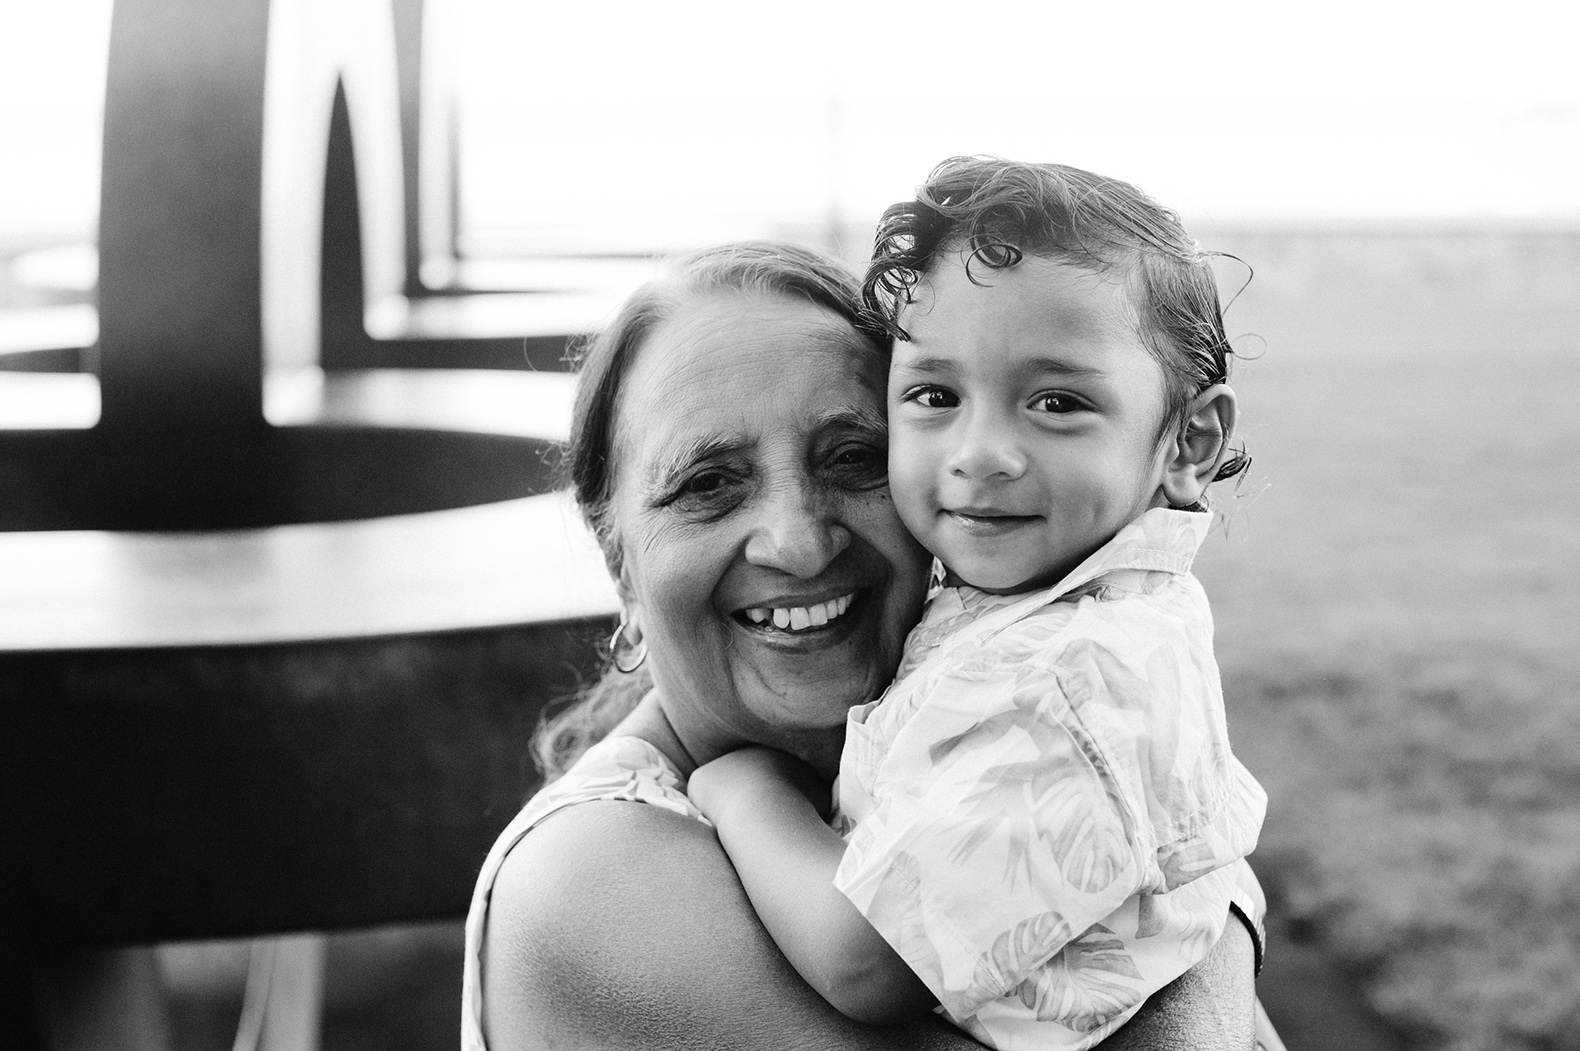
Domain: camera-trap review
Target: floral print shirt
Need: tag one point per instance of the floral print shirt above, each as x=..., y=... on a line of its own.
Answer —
x=1044, y=816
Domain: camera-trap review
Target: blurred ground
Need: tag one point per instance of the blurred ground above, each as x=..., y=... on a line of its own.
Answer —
x=1398, y=603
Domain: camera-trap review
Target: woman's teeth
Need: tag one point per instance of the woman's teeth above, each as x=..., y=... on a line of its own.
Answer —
x=799, y=618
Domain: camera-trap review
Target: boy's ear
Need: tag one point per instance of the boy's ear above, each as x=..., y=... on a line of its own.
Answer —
x=1199, y=448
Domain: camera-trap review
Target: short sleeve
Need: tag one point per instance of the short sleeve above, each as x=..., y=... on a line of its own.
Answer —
x=998, y=834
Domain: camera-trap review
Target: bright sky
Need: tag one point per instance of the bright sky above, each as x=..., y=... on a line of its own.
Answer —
x=1224, y=109
x=693, y=112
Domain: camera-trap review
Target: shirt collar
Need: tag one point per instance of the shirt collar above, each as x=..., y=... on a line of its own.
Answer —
x=1161, y=539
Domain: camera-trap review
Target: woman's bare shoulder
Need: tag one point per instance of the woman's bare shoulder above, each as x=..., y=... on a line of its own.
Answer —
x=588, y=866
x=575, y=913
x=587, y=870
x=618, y=924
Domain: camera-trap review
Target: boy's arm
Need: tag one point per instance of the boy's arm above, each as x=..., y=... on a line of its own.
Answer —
x=786, y=858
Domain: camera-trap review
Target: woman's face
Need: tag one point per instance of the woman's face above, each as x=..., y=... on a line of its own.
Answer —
x=763, y=560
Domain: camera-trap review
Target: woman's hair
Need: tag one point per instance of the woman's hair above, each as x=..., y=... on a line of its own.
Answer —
x=999, y=211
x=750, y=267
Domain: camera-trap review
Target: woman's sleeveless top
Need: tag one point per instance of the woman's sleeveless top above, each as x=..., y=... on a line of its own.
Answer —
x=617, y=768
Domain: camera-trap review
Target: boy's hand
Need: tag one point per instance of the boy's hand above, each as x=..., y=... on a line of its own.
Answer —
x=749, y=779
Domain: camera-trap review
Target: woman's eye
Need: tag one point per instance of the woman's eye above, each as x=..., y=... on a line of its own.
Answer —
x=861, y=466
x=705, y=488
x=703, y=484
x=856, y=455
x=708, y=492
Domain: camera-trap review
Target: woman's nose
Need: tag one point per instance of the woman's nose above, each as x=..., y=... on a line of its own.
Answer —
x=987, y=449
x=797, y=532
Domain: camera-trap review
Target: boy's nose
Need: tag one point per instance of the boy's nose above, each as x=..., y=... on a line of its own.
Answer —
x=986, y=452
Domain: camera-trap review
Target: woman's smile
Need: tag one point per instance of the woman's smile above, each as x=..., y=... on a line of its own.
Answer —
x=798, y=618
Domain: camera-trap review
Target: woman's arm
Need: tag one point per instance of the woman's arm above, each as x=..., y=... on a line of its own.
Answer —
x=623, y=925
x=786, y=858
x=1210, y=1006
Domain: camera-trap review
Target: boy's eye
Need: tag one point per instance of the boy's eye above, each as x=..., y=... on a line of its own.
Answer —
x=1056, y=403
x=933, y=398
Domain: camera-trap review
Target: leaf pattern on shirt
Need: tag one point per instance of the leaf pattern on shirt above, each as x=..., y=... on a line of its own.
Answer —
x=898, y=909
x=1187, y=862
x=1149, y=919
x=1001, y=966
x=1122, y=685
x=1057, y=825
x=1040, y=809
x=984, y=734
x=1199, y=939
x=1086, y=984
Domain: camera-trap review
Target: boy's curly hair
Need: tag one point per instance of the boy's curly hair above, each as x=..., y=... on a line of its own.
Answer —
x=999, y=211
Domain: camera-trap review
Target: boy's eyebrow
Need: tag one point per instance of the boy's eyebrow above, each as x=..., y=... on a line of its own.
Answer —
x=1060, y=367
x=1038, y=366
x=925, y=366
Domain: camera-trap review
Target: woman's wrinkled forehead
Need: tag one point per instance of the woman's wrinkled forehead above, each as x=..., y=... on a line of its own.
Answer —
x=712, y=370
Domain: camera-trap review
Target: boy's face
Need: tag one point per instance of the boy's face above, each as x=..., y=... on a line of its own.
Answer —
x=1024, y=415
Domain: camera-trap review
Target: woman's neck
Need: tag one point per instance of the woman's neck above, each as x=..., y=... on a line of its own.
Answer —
x=649, y=721
x=688, y=741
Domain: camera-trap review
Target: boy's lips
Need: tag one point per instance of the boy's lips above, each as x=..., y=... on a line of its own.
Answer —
x=988, y=522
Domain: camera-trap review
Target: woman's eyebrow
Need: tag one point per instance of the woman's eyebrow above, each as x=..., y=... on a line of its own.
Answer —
x=689, y=453
x=849, y=417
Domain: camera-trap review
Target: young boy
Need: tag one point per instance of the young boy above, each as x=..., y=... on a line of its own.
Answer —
x=1045, y=823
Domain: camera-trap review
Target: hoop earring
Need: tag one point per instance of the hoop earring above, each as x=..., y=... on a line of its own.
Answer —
x=620, y=649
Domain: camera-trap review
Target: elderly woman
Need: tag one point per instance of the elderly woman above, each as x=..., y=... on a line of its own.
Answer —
x=728, y=450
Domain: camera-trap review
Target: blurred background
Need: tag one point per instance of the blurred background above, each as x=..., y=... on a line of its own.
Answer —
x=1396, y=581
